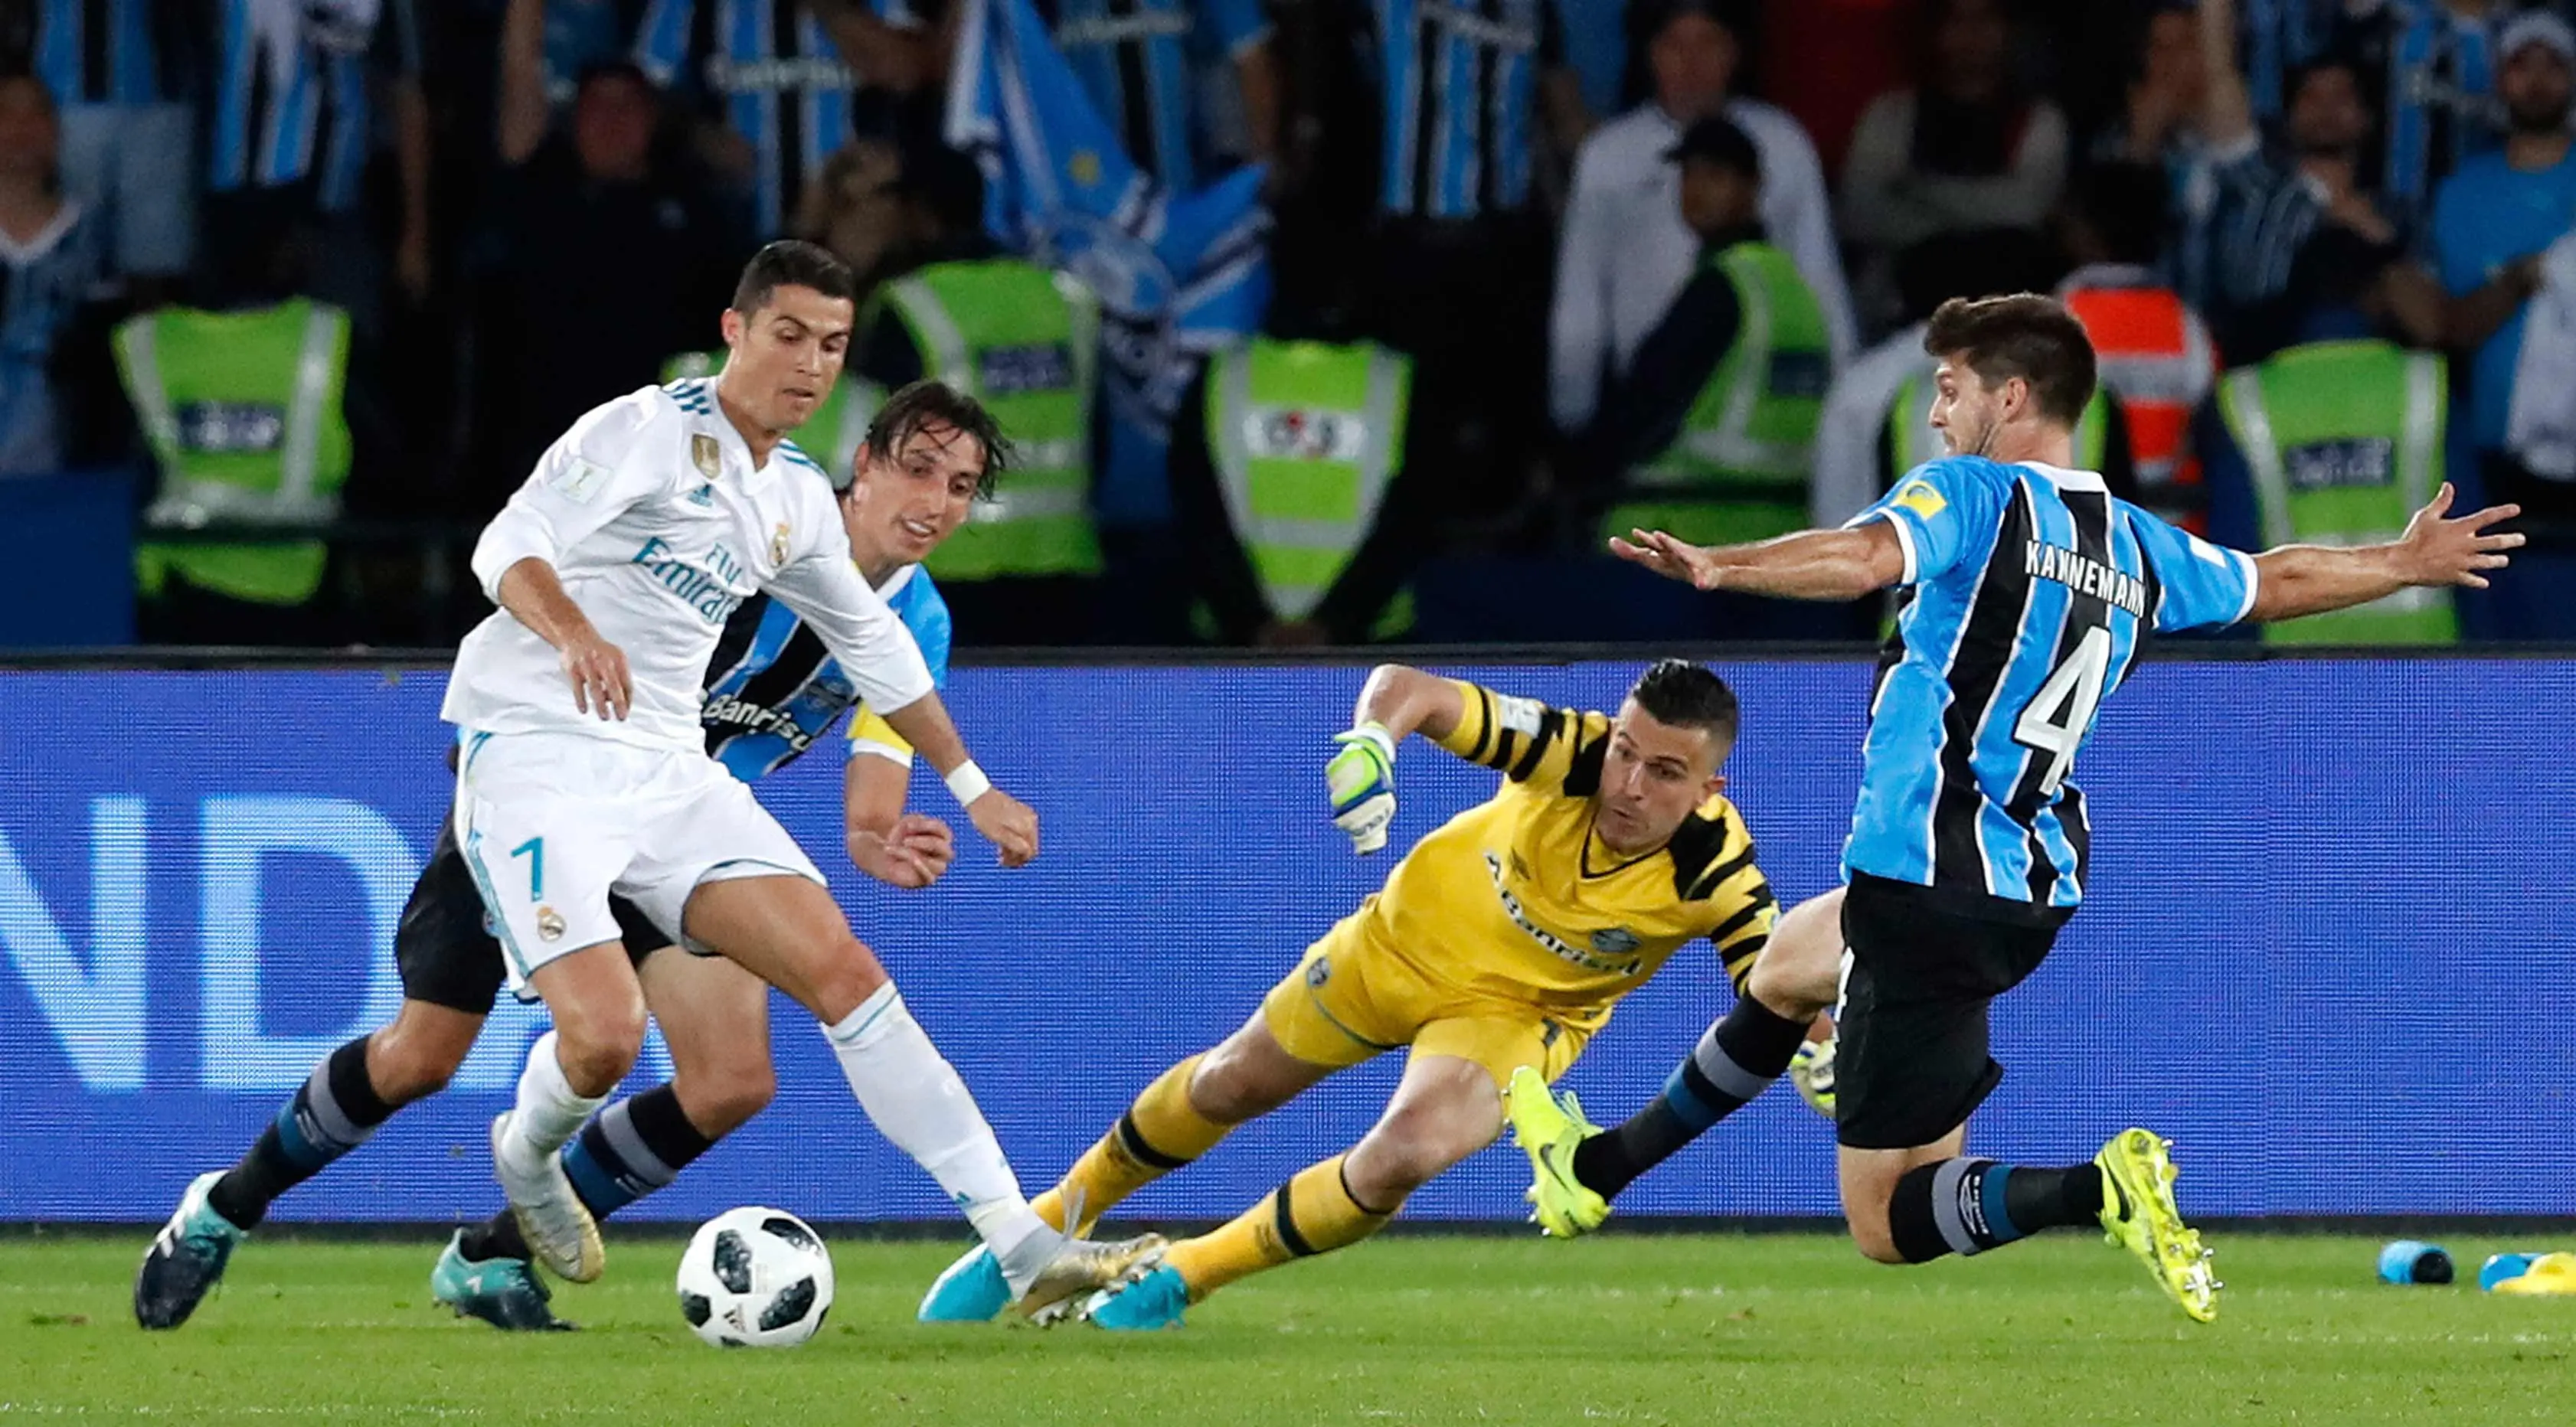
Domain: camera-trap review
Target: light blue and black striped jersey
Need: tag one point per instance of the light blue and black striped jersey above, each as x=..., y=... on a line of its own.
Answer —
x=292, y=101
x=104, y=52
x=2032, y=588
x=768, y=69
x=1139, y=61
x=1460, y=79
x=2440, y=105
x=772, y=688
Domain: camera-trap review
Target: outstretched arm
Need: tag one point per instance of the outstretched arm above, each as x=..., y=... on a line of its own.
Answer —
x=2434, y=551
x=1404, y=700
x=1395, y=701
x=1810, y=565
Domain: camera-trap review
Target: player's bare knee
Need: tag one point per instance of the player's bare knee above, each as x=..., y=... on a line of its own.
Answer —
x=724, y=1100
x=1412, y=1146
x=1787, y=991
x=597, y=1043
x=1229, y=1088
x=1875, y=1243
x=414, y=1057
x=404, y=1068
x=1870, y=1233
x=841, y=980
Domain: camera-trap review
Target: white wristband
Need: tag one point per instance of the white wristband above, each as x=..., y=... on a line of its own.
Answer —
x=966, y=783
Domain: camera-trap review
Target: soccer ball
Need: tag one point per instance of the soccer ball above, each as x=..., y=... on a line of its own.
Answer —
x=755, y=1278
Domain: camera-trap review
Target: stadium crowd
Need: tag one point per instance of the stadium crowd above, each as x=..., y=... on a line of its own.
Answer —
x=1314, y=321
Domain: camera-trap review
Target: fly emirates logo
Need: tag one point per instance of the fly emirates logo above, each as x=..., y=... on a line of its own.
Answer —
x=707, y=588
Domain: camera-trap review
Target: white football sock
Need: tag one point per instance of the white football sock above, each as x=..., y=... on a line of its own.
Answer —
x=549, y=1112
x=917, y=1101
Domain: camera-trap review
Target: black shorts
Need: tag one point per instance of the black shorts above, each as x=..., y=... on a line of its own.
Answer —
x=446, y=950
x=1910, y=1061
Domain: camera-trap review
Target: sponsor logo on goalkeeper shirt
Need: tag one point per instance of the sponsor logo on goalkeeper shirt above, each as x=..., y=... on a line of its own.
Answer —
x=1616, y=964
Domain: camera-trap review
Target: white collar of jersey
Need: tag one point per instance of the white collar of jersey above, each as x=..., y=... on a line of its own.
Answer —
x=2064, y=479
x=901, y=577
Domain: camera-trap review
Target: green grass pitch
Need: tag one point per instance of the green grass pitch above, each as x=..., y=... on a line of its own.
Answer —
x=1703, y=1330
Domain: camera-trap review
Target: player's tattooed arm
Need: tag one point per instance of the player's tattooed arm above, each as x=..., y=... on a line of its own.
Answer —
x=596, y=668
x=1405, y=700
x=1810, y=565
x=2435, y=551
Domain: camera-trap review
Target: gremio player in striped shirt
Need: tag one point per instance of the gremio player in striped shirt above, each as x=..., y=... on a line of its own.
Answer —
x=2032, y=589
x=772, y=691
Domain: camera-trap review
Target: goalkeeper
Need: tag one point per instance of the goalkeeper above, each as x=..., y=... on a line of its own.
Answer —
x=1501, y=940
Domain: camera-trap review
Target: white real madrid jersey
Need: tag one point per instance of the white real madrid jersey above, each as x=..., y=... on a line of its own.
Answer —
x=658, y=524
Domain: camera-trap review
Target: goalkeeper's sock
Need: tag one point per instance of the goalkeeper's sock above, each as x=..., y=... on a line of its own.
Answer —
x=632, y=1148
x=1313, y=1213
x=330, y=1114
x=1734, y=1062
x=1967, y=1206
x=1160, y=1133
x=914, y=1096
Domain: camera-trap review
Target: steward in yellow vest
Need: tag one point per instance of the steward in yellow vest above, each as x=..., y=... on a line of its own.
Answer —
x=1710, y=432
x=244, y=414
x=1289, y=478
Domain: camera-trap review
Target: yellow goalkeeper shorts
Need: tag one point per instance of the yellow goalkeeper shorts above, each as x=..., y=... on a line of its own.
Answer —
x=1349, y=1001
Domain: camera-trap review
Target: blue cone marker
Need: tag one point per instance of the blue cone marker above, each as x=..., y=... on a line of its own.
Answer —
x=2500, y=1267
x=2409, y=1261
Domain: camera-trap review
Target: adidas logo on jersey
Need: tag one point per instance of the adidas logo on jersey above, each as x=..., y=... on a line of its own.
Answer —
x=703, y=495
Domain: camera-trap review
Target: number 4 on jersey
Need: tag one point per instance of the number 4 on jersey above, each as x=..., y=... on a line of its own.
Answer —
x=2057, y=717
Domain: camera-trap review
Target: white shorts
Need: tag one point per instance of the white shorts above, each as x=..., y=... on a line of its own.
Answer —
x=551, y=823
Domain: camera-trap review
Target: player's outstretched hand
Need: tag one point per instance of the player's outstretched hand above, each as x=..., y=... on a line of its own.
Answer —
x=597, y=669
x=916, y=853
x=2440, y=551
x=1666, y=556
x=1361, y=779
x=1008, y=824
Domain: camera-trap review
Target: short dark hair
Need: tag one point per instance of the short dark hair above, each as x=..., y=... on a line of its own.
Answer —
x=926, y=403
x=1687, y=695
x=2024, y=335
x=791, y=262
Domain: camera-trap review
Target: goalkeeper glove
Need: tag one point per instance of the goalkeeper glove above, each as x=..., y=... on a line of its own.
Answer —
x=1361, y=778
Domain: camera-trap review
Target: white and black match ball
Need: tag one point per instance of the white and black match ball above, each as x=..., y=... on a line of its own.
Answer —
x=755, y=1278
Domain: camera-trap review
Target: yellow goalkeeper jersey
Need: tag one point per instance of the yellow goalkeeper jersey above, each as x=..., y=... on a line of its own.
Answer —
x=1517, y=898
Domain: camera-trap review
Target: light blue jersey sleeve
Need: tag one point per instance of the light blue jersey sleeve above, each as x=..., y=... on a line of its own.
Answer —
x=923, y=611
x=2199, y=585
x=1941, y=511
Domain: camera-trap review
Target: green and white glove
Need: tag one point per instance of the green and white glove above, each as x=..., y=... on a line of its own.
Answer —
x=1361, y=778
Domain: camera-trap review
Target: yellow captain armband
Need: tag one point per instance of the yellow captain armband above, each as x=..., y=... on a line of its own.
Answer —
x=873, y=736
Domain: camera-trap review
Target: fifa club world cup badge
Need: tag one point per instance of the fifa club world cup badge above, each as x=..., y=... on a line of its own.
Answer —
x=778, y=544
x=549, y=924
x=709, y=458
